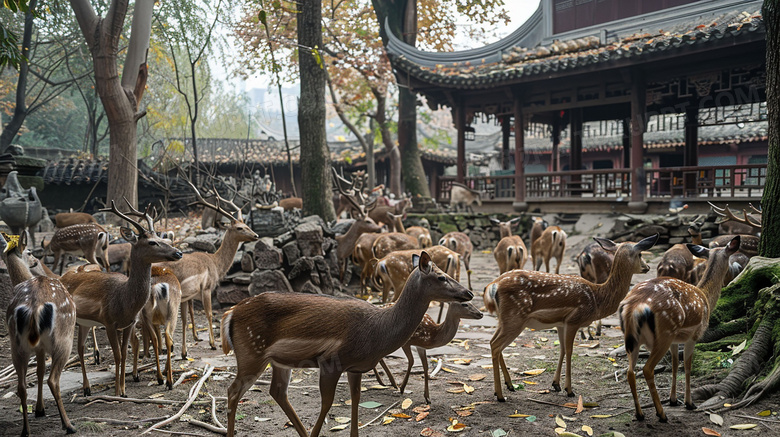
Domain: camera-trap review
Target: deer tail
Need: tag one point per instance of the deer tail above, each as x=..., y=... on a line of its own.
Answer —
x=34, y=322
x=632, y=320
x=226, y=330
x=490, y=297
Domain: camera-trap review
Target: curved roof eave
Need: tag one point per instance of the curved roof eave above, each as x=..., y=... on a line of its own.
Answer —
x=528, y=35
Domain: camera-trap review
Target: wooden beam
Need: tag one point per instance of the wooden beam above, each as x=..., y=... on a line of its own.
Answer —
x=519, y=204
x=460, y=124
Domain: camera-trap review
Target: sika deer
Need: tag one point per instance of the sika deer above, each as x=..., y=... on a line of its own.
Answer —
x=429, y=335
x=595, y=264
x=422, y=235
x=551, y=244
x=65, y=219
x=40, y=320
x=89, y=240
x=538, y=226
x=510, y=253
x=525, y=299
x=663, y=312
x=348, y=242
x=391, y=242
x=362, y=255
x=114, y=300
x=288, y=330
x=460, y=243
x=199, y=272
x=392, y=271
x=677, y=262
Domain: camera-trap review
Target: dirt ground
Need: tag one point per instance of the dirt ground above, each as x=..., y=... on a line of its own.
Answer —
x=466, y=361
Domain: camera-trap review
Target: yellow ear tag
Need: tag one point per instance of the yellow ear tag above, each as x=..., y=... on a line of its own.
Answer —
x=12, y=240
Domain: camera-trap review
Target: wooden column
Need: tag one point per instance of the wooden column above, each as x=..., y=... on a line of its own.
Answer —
x=691, y=158
x=575, y=133
x=505, y=128
x=638, y=106
x=626, y=143
x=460, y=124
x=519, y=204
x=555, y=157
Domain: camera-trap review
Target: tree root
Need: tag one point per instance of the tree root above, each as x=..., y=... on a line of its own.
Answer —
x=728, y=329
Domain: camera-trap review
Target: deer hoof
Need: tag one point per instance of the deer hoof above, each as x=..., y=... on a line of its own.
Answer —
x=169, y=385
x=662, y=418
x=673, y=402
x=40, y=413
x=690, y=406
x=640, y=416
x=570, y=393
x=97, y=359
x=70, y=430
x=160, y=381
x=213, y=348
x=510, y=386
x=87, y=392
x=556, y=386
x=123, y=395
x=136, y=378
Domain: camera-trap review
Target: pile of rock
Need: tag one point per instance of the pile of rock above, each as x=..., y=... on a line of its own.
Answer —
x=673, y=229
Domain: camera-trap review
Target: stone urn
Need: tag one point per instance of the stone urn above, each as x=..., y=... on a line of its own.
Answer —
x=19, y=208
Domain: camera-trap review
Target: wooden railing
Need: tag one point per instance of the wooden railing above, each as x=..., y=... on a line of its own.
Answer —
x=684, y=182
x=723, y=181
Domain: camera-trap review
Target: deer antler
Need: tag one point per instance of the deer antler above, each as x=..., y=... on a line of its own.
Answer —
x=145, y=215
x=124, y=217
x=726, y=212
x=216, y=207
x=339, y=182
x=756, y=210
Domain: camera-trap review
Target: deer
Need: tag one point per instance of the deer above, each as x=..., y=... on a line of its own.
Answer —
x=510, y=252
x=595, y=264
x=677, y=262
x=462, y=197
x=363, y=225
x=537, y=227
x=422, y=235
x=287, y=330
x=199, y=272
x=392, y=271
x=530, y=299
x=551, y=244
x=732, y=225
x=663, y=313
x=65, y=219
x=114, y=300
x=89, y=240
x=379, y=213
x=362, y=255
x=390, y=242
x=40, y=319
x=429, y=335
x=291, y=203
x=459, y=243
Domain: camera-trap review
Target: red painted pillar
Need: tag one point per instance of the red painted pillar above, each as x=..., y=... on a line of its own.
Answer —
x=460, y=124
x=638, y=182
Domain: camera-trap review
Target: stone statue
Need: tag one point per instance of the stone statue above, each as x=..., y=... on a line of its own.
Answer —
x=19, y=208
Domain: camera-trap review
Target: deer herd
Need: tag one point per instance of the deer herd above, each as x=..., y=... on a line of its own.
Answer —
x=288, y=330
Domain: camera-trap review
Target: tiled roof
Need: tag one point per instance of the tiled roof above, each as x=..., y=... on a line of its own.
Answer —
x=520, y=62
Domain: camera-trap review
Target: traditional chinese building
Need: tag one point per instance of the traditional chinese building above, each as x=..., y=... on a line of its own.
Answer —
x=638, y=102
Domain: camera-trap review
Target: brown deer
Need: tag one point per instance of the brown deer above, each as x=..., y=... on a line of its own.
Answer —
x=422, y=235
x=392, y=271
x=460, y=243
x=732, y=225
x=663, y=313
x=287, y=330
x=40, y=318
x=429, y=335
x=551, y=244
x=510, y=252
x=390, y=242
x=595, y=264
x=529, y=299
x=362, y=226
x=199, y=272
x=362, y=255
x=462, y=197
x=677, y=262
x=347, y=243
x=291, y=203
x=379, y=213
x=114, y=300
x=537, y=227
x=89, y=240
x=161, y=310
x=65, y=219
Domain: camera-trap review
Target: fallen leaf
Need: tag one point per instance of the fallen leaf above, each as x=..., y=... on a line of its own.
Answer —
x=709, y=431
x=378, y=387
x=716, y=419
x=401, y=416
x=590, y=404
x=462, y=361
x=262, y=419
x=464, y=413
x=533, y=372
x=764, y=413
x=559, y=430
x=560, y=422
x=340, y=427
x=568, y=434
x=422, y=416
x=421, y=408
x=600, y=416
x=387, y=420
x=519, y=415
x=477, y=377
x=341, y=419
x=570, y=419
x=498, y=433
x=530, y=382
x=739, y=348
x=406, y=403
x=588, y=430
x=456, y=426
x=296, y=381
x=468, y=389
x=448, y=370
x=580, y=407
x=455, y=390
x=743, y=426
x=543, y=339
x=370, y=404
x=531, y=418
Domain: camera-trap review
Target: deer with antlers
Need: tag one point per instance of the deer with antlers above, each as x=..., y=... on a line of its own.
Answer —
x=510, y=252
x=529, y=299
x=461, y=244
x=733, y=225
x=113, y=300
x=199, y=272
x=287, y=330
x=40, y=318
x=87, y=239
x=663, y=313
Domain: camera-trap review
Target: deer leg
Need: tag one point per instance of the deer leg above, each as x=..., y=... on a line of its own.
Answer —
x=328, y=382
x=57, y=257
x=498, y=343
x=157, y=345
x=376, y=375
x=239, y=386
x=354, y=391
x=123, y=354
x=280, y=379
x=58, y=361
x=409, y=363
x=674, y=349
x=96, y=348
x=20, y=360
x=571, y=334
x=169, y=351
x=631, y=376
x=557, y=378
x=135, y=345
x=183, y=308
x=688, y=362
x=547, y=264
x=207, y=307
x=658, y=352
x=40, y=358
x=466, y=262
x=191, y=307
x=389, y=374
x=113, y=339
x=81, y=340
x=424, y=357
x=557, y=265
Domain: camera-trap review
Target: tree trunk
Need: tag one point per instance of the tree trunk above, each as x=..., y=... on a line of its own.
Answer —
x=770, y=244
x=315, y=157
x=20, y=108
x=387, y=140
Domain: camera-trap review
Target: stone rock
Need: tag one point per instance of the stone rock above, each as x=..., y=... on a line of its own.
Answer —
x=342, y=226
x=291, y=252
x=314, y=270
x=268, y=223
x=328, y=245
x=267, y=257
x=309, y=237
x=231, y=294
x=240, y=278
x=676, y=240
x=268, y=280
x=317, y=220
x=310, y=288
x=247, y=262
x=204, y=242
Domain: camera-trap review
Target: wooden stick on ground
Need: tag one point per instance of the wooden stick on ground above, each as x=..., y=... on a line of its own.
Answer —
x=134, y=400
x=193, y=394
x=380, y=415
x=207, y=426
x=117, y=421
x=214, y=412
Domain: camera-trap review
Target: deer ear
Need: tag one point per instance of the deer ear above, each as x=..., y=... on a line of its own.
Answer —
x=733, y=245
x=606, y=244
x=3, y=243
x=647, y=243
x=24, y=237
x=423, y=262
x=128, y=234
x=700, y=251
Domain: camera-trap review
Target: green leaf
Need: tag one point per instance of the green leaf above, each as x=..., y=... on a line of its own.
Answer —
x=531, y=418
x=370, y=404
x=262, y=17
x=499, y=433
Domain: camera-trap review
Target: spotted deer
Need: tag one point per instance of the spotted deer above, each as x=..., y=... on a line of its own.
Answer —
x=391, y=242
x=362, y=255
x=88, y=239
x=65, y=219
x=510, y=252
x=287, y=330
x=529, y=299
x=663, y=313
x=677, y=262
x=392, y=271
x=199, y=272
x=429, y=335
x=460, y=243
x=40, y=318
x=551, y=244
x=595, y=264
x=114, y=300
x=422, y=235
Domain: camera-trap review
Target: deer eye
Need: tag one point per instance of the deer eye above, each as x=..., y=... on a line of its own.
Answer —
x=442, y=278
x=153, y=243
